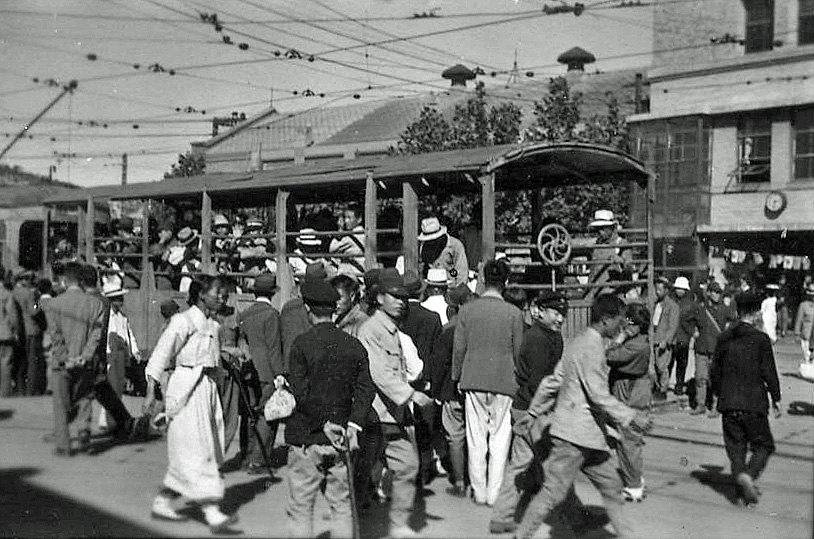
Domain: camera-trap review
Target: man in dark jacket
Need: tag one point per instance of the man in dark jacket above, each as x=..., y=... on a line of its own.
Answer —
x=294, y=319
x=743, y=371
x=688, y=322
x=259, y=324
x=330, y=380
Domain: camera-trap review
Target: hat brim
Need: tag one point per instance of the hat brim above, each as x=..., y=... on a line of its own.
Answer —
x=436, y=283
x=395, y=291
x=116, y=293
x=189, y=240
x=599, y=223
x=432, y=235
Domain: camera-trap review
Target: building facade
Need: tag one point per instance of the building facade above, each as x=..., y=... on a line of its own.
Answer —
x=730, y=132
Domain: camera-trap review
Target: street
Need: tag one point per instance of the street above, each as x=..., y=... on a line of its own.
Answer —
x=689, y=493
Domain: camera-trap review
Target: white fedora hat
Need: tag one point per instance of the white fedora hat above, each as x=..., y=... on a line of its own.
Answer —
x=682, y=283
x=431, y=229
x=603, y=218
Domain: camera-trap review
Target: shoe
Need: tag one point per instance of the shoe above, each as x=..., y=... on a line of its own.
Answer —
x=217, y=520
x=403, y=532
x=747, y=486
x=633, y=494
x=139, y=429
x=698, y=410
x=162, y=510
x=499, y=526
x=678, y=392
x=254, y=468
x=659, y=396
x=712, y=414
x=457, y=491
x=84, y=442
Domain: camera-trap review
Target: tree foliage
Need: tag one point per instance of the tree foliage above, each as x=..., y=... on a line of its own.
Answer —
x=557, y=117
x=189, y=164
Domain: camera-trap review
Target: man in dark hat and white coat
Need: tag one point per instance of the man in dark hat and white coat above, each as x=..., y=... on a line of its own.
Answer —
x=437, y=249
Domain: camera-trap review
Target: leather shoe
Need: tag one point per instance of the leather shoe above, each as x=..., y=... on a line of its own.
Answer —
x=457, y=491
x=499, y=526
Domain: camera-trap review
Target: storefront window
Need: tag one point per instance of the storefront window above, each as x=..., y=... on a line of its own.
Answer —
x=804, y=144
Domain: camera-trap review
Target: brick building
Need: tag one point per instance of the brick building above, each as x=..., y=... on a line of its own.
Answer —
x=730, y=131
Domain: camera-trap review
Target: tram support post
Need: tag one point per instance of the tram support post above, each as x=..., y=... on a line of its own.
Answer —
x=410, y=227
x=371, y=225
x=487, y=182
x=90, y=220
x=284, y=277
x=80, y=230
x=46, y=225
x=206, y=232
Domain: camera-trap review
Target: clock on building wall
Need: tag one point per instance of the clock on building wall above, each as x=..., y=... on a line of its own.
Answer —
x=775, y=204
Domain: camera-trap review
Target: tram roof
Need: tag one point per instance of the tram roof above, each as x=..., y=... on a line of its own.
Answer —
x=515, y=167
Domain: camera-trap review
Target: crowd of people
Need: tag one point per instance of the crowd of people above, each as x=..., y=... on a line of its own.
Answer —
x=397, y=378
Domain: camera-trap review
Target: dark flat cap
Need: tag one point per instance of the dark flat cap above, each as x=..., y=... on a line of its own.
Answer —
x=413, y=283
x=316, y=271
x=549, y=299
x=265, y=283
x=391, y=282
x=168, y=308
x=319, y=292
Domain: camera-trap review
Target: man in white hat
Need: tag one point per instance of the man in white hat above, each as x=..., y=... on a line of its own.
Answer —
x=122, y=348
x=437, y=283
x=689, y=321
x=437, y=249
x=620, y=261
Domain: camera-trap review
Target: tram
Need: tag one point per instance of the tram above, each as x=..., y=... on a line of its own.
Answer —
x=399, y=181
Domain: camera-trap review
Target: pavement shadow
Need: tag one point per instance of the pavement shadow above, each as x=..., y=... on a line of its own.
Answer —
x=239, y=495
x=713, y=477
x=32, y=511
x=798, y=376
x=800, y=408
x=6, y=414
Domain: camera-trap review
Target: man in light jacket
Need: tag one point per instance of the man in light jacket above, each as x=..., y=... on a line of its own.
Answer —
x=665, y=325
x=584, y=408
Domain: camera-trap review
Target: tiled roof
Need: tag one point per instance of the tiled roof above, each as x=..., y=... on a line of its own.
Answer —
x=384, y=120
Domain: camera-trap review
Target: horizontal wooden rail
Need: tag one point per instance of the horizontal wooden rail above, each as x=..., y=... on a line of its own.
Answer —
x=576, y=286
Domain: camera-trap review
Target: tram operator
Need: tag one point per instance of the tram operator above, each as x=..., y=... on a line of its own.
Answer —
x=620, y=261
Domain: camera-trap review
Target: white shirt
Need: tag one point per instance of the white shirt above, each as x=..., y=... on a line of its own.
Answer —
x=120, y=325
x=437, y=304
x=768, y=311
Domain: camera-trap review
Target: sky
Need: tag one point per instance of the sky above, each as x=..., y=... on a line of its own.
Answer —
x=151, y=74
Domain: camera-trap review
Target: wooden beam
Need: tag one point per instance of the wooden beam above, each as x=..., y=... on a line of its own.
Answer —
x=487, y=182
x=285, y=281
x=371, y=216
x=46, y=225
x=206, y=233
x=145, y=240
x=409, y=206
x=90, y=221
x=80, y=230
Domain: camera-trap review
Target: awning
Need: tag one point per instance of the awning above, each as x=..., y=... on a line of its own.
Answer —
x=767, y=238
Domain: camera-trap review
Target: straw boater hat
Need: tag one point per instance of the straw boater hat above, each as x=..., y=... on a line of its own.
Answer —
x=682, y=283
x=603, y=218
x=113, y=289
x=431, y=229
x=220, y=220
x=772, y=286
x=308, y=238
x=187, y=235
x=254, y=223
x=437, y=277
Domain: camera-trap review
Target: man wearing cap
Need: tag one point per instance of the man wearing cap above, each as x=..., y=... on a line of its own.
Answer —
x=488, y=341
x=394, y=399
x=223, y=247
x=444, y=390
x=437, y=284
x=330, y=380
x=259, y=327
x=437, y=249
x=539, y=354
x=804, y=322
x=743, y=371
x=768, y=311
x=619, y=266
x=665, y=325
x=709, y=328
x=349, y=312
x=689, y=321
x=122, y=347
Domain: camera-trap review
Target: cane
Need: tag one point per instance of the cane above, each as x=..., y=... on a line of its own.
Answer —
x=244, y=396
x=351, y=483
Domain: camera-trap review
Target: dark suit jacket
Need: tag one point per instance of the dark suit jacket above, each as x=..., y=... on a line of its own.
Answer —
x=260, y=323
x=330, y=379
x=424, y=327
x=293, y=323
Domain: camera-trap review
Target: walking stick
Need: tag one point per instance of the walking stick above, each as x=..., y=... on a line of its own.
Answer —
x=244, y=396
x=354, y=511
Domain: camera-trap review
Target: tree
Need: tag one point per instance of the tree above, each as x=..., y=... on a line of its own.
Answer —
x=558, y=118
x=189, y=164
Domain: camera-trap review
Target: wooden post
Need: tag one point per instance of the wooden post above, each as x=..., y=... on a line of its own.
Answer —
x=409, y=206
x=488, y=197
x=46, y=225
x=371, y=216
x=285, y=280
x=649, y=206
x=90, y=221
x=206, y=233
x=80, y=230
x=145, y=239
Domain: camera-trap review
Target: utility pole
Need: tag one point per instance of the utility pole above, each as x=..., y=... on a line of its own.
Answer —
x=514, y=75
x=69, y=88
x=124, y=169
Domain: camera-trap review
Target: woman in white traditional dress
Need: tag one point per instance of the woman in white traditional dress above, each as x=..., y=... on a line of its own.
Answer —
x=195, y=439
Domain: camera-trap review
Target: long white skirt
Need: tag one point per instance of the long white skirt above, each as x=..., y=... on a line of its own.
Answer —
x=195, y=438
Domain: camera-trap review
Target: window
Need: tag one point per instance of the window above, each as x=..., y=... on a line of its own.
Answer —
x=759, y=25
x=678, y=150
x=804, y=144
x=754, y=148
x=805, y=22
